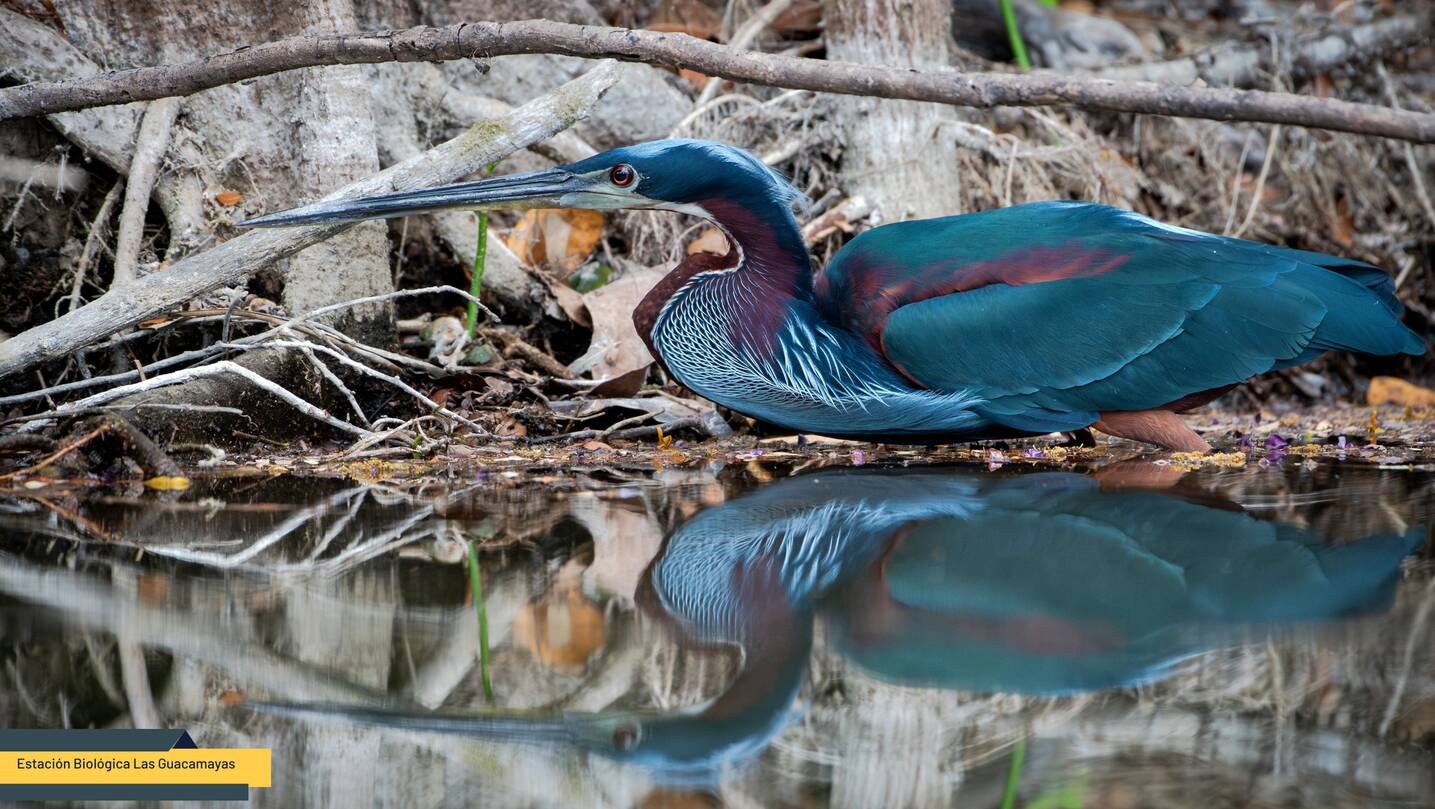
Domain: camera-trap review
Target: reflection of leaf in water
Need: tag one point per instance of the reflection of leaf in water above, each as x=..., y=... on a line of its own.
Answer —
x=563, y=630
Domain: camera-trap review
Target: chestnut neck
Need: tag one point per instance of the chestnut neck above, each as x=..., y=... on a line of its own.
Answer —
x=768, y=242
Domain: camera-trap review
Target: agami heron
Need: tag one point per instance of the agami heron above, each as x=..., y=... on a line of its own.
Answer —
x=1038, y=318
x=1034, y=584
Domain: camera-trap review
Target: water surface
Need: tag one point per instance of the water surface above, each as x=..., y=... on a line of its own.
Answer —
x=753, y=636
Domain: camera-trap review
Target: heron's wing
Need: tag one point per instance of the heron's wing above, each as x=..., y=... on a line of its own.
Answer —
x=1052, y=312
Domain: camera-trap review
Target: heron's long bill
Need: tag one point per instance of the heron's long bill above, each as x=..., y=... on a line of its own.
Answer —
x=538, y=189
x=497, y=727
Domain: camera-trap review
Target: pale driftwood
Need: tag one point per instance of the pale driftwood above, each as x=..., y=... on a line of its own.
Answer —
x=201, y=354
x=214, y=369
x=365, y=370
x=92, y=243
x=482, y=39
x=242, y=256
x=1240, y=64
x=150, y=147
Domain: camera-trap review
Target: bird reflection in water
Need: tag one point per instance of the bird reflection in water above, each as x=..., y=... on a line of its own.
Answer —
x=1040, y=584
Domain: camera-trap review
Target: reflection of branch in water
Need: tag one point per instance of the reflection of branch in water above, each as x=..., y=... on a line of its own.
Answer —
x=98, y=607
x=284, y=529
x=1407, y=659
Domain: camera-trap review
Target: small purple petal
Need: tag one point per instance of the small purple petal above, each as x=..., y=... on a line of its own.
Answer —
x=995, y=459
x=1245, y=442
x=858, y=457
x=1275, y=456
x=1274, y=441
x=1033, y=452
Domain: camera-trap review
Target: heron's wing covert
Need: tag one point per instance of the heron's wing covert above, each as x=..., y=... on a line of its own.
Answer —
x=1052, y=312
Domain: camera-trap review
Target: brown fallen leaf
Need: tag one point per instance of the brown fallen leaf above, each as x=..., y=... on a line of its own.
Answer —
x=1391, y=390
x=803, y=17
x=561, y=237
x=616, y=348
x=1342, y=226
x=696, y=79
x=710, y=240
x=689, y=17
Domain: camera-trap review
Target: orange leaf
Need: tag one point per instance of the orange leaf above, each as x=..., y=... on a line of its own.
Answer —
x=228, y=197
x=1342, y=227
x=696, y=79
x=689, y=17
x=1391, y=390
x=564, y=238
x=710, y=241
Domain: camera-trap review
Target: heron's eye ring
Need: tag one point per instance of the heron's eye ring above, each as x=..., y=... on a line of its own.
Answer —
x=622, y=175
x=625, y=738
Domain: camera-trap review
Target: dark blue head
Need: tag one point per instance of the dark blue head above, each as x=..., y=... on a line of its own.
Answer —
x=688, y=176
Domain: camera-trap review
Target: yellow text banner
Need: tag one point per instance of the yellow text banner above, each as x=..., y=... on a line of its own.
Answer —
x=209, y=765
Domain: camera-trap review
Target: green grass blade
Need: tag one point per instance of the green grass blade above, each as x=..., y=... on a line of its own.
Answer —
x=476, y=285
x=475, y=578
x=1018, y=47
x=1018, y=755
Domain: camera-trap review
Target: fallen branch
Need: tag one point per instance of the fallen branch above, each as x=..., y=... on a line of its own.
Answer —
x=149, y=153
x=484, y=39
x=240, y=257
x=280, y=325
x=468, y=40
x=1239, y=64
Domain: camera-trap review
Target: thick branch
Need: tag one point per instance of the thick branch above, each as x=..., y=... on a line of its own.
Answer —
x=149, y=153
x=1239, y=64
x=480, y=40
x=239, y=257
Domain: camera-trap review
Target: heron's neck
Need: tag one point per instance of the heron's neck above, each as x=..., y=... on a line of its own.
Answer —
x=768, y=241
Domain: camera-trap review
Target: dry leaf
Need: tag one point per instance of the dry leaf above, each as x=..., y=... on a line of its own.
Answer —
x=799, y=18
x=1391, y=390
x=509, y=426
x=616, y=348
x=228, y=197
x=689, y=17
x=696, y=79
x=1342, y=227
x=562, y=237
x=710, y=241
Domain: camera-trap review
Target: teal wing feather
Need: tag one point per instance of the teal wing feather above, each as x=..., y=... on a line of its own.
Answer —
x=1052, y=312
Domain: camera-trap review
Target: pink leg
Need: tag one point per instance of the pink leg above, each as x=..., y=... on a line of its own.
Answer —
x=1160, y=427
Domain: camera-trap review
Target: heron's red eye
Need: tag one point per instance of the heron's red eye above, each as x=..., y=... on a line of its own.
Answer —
x=622, y=175
x=625, y=738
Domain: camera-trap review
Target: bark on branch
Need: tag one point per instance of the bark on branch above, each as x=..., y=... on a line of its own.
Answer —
x=1238, y=63
x=485, y=39
x=237, y=258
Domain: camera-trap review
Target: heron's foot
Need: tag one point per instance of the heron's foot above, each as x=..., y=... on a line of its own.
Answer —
x=1160, y=427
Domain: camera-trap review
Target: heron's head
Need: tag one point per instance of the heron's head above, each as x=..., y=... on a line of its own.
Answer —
x=686, y=176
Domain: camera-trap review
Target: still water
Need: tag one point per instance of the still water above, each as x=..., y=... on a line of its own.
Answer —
x=752, y=636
